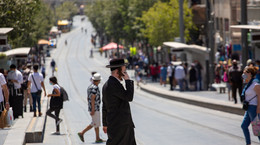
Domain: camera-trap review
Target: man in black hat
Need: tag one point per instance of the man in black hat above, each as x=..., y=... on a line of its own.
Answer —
x=117, y=119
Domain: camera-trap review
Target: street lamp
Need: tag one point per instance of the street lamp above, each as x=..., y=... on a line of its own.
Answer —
x=181, y=23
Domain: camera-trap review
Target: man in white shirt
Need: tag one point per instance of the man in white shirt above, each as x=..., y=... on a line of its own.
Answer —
x=15, y=76
x=3, y=89
x=179, y=76
x=35, y=83
x=15, y=80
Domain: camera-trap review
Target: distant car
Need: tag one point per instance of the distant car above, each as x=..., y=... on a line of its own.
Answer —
x=53, y=43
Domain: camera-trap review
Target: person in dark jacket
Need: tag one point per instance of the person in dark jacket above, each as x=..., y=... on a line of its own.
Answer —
x=235, y=79
x=193, y=77
x=117, y=118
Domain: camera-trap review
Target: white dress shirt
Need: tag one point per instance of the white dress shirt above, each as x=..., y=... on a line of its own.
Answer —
x=15, y=75
x=2, y=82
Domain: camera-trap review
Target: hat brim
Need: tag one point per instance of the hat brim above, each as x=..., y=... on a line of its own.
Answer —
x=119, y=65
x=93, y=79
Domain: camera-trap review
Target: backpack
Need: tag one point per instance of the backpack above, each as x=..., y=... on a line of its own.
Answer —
x=64, y=94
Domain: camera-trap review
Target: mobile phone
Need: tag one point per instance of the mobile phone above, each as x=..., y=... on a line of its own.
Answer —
x=120, y=72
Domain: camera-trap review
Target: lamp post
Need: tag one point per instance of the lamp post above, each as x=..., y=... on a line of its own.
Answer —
x=243, y=4
x=181, y=21
x=210, y=42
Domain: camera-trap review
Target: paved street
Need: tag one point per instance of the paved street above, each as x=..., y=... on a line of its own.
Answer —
x=158, y=121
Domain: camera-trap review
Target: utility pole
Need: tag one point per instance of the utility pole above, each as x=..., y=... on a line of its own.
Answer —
x=243, y=4
x=181, y=23
x=210, y=42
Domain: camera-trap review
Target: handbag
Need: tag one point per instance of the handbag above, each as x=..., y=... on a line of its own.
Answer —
x=256, y=126
x=3, y=123
x=246, y=103
x=39, y=92
x=9, y=117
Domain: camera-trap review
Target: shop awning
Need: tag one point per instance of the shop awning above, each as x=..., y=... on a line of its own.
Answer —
x=181, y=46
x=253, y=27
x=42, y=41
x=63, y=22
x=112, y=45
x=4, y=31
x=23, y=51
x=54, y=29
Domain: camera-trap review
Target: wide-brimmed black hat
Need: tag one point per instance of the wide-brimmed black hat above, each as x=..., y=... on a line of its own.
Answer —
x=116, y=63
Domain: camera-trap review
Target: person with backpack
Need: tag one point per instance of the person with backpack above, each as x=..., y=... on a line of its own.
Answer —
x=35, y=83
x=94, y=101
x=56, y=103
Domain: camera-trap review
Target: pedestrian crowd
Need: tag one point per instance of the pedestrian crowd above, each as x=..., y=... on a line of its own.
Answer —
x=230, y=73
x=187, y=78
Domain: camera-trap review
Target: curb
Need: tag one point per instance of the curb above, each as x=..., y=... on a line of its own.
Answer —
x=195, y=100
x=35, y=130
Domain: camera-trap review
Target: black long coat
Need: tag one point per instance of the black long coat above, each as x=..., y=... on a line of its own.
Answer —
x=116, y=112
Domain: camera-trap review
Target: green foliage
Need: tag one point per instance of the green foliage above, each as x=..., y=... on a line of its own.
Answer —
x=2, y=56
x=162, y=22
x=42, y=23
x=66, y=10
x=31, y=19
x=136, y=20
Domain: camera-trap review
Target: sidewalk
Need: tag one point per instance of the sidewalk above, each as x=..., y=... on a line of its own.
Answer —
x=208, y=99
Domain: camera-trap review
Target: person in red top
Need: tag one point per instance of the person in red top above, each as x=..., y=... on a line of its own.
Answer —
x=153, y=73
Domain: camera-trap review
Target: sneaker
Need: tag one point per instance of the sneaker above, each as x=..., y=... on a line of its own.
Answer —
x=81, y=137
x=58, y=123
x=40, y=114
x=100, y=141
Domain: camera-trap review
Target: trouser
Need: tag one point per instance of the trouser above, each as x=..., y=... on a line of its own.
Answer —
x=199, y=83
x=186, y=84
x=180, y=83
x=56, y=116
x=193, y=86
x=236, y=86
x=123, y=135
x=154, y=78
x=171, y=83
x=36, y=98
x=1, y=107
x=26, y=96
x=249, y=116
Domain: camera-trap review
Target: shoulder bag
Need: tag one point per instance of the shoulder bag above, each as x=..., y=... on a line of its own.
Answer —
x=39, y=92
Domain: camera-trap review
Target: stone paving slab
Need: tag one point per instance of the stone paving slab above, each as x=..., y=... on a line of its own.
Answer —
x=194, y=98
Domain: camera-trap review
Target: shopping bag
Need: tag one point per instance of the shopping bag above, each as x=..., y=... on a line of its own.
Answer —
x=256, y=126
x=3, y=119
x=56, y=69
x=9, y=117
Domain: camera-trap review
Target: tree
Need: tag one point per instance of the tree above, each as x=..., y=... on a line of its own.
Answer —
x=18, y=14
x=66, y=10
x=31, y=20
x=42, y=23
x=162, y=22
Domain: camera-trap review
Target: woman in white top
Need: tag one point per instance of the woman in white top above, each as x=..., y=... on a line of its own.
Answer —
x=251, y=94
x=56, y=104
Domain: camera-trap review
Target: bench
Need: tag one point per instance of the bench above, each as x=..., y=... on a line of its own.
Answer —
x=220, y=87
